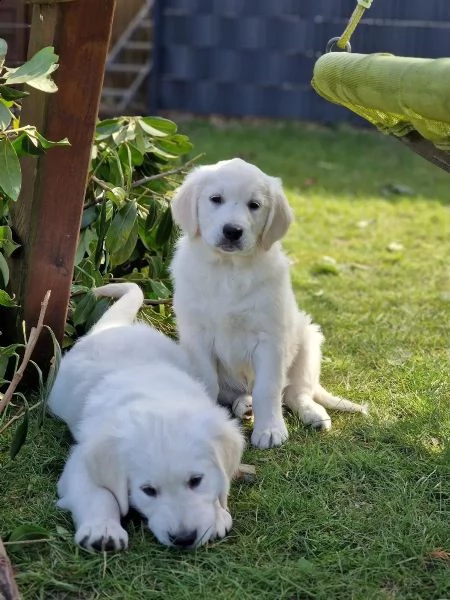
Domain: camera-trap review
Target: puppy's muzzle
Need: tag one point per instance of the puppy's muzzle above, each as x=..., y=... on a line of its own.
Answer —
x=231, y=237
x=183, y=539
x=232, y=233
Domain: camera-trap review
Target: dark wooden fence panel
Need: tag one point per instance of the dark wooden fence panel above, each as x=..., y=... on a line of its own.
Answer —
x=255, y=57
x=14, y=29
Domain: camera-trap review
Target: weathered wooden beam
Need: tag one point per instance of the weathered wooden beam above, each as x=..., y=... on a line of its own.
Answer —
x=426, y=149
x=46, y=218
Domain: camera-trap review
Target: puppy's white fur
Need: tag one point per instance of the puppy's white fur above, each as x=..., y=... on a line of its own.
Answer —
x=141, y=424
x=236, y=311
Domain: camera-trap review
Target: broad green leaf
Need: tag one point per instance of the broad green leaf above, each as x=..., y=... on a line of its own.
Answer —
x=178, y=144
x=36, y=71
x=100, y=308
x=6, y=116
x=146, y=233
x=117, y=195
x=10, y=173
x=54, y=368
x=86, y=237
x=137, y=157
x=89, y=216
x=125, y=252
x=157, y=126
x=157, y=266
x=160, y=290
x=5, y=354
x=46, y=144
x=116, y=176
x=162, y=153
x=83, y=309
x=102, y=228
x=140, y=141
x=76, y=289
x=88, y=274
x=6, y=241
x=20, y=436
x=121, y=227
x=27, y=145
x=44, y=84
x=4, y=270
x=165, y=228
x=4, y=360
x=152, y=214
x=3, y=51
x=9, y=93
x=121, y=135
x=107, y=127
x=28, y=532
x=6, y=300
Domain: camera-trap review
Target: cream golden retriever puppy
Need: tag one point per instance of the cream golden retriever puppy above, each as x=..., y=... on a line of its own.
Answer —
x=237, y=315
x=147, y=435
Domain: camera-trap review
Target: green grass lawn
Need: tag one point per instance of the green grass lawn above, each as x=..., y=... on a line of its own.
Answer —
x=358, y=512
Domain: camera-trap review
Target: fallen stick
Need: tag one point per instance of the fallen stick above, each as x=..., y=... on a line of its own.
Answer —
x=34, y=336
x=8, y=587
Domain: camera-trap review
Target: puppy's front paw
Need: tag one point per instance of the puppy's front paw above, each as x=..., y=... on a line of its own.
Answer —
x=221, y=527
x=102, y=534
x=243, y=407
x=270, y=436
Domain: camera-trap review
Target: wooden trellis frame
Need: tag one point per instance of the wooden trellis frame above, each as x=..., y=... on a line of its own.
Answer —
x=46, y=218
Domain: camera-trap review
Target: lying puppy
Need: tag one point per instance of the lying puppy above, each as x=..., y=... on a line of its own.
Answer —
x=237, y=314
x=147, y=435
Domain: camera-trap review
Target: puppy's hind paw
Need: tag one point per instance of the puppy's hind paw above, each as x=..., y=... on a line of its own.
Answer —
x=316, y=416
x=271, y=436
x=243, y=408
x=102, y=535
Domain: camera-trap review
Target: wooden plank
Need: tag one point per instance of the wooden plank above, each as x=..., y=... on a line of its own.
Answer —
x=47, y=216
x=14, y=29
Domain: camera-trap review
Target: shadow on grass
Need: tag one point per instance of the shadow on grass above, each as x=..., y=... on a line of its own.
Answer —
x=314, y=159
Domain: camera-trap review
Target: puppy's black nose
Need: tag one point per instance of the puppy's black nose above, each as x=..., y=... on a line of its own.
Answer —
x=232, y=232
x=183, y=539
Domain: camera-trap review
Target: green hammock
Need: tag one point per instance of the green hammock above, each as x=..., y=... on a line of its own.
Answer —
x=408, y=98
x=398, y=95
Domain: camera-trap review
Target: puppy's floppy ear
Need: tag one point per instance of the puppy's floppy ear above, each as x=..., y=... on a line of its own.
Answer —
x=184, y=204
x=227, y=444
x=280, y=214
x=106, y=467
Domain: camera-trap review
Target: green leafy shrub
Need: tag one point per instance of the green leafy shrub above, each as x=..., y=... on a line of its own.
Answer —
x=126, y=229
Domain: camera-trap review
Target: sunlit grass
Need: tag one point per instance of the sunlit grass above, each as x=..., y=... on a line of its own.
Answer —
x=353, y=514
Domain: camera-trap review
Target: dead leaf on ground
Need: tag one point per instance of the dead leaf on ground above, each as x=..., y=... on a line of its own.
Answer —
x=439, y=554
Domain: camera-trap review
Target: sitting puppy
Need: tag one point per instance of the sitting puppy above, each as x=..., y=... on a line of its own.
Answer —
x=237, y=315
x=147, y=435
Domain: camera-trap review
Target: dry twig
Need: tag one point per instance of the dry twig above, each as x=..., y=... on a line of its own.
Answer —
x=163, y=174
x=29, y=348
x=8, y=587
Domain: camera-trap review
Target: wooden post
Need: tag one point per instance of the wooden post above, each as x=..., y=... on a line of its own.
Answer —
x=46, y=218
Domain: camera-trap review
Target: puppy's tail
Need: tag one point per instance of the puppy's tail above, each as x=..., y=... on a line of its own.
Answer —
x=124, y=311
x=327, y=400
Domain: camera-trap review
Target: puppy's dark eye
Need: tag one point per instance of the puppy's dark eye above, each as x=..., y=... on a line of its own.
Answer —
x=195, y=481
x=254, y=205
x=149, y=491
x=216, y=199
